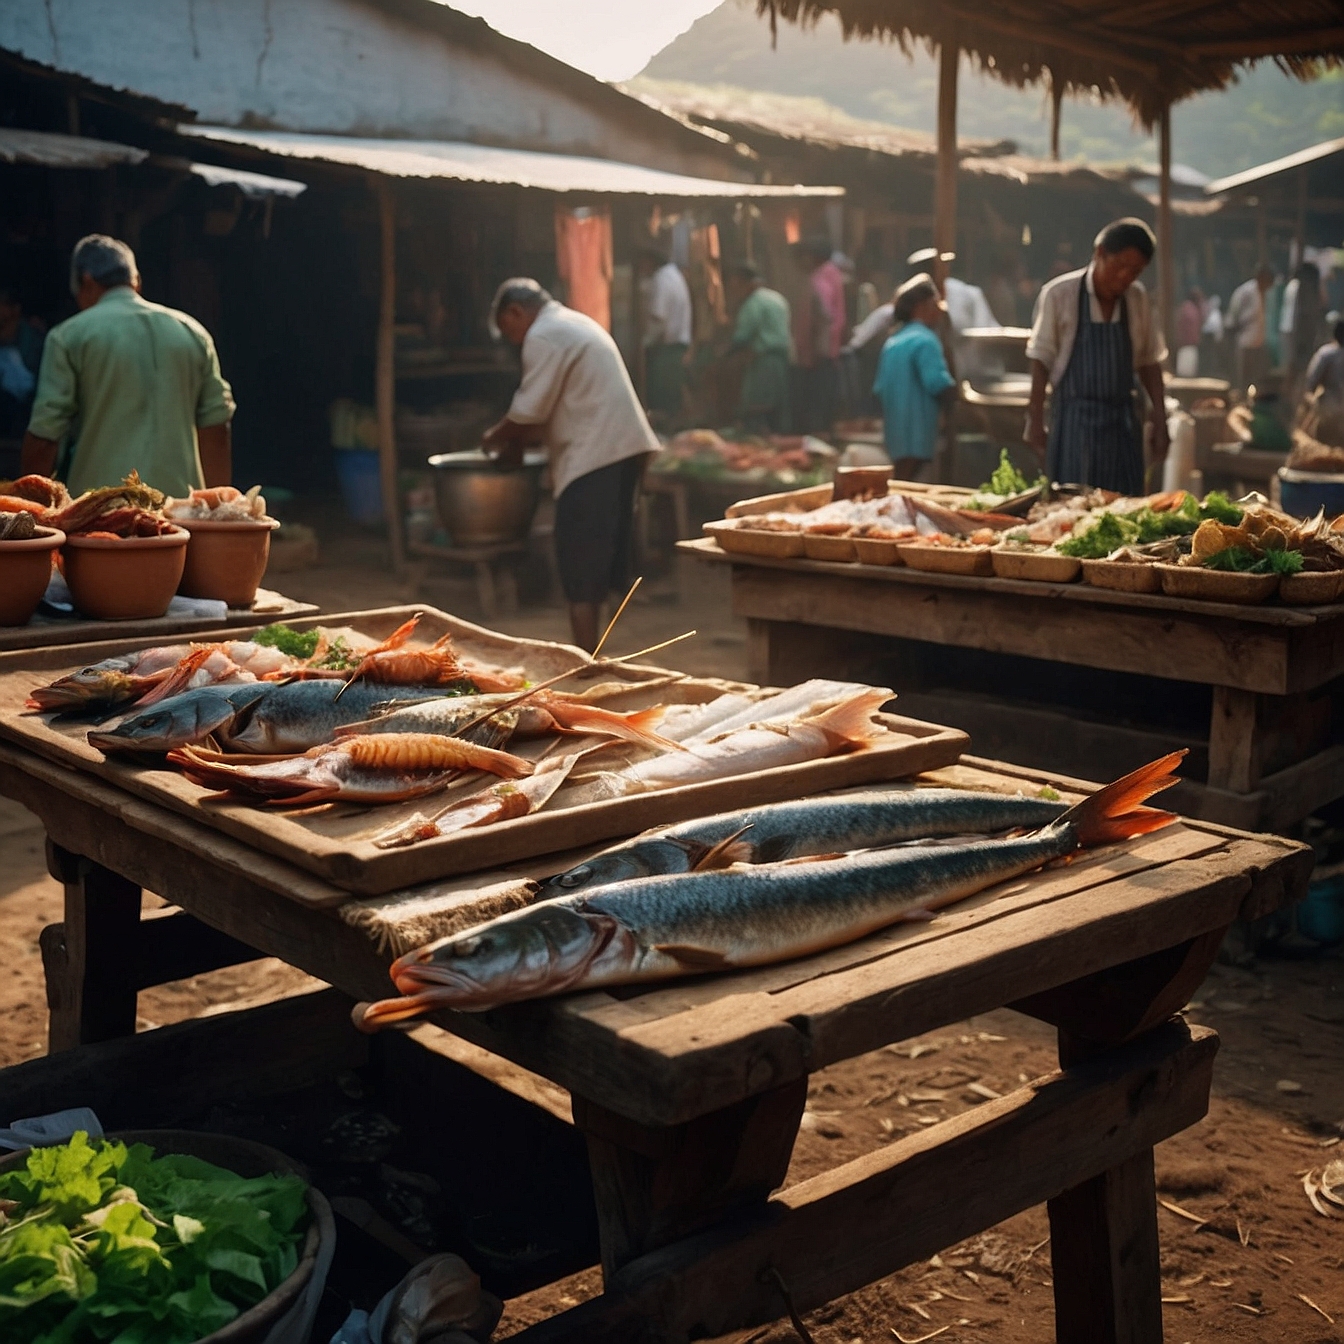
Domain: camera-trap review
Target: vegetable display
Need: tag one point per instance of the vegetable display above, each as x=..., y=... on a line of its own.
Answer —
x=1142, y=526
x=104, y=1242
x=1004, y=482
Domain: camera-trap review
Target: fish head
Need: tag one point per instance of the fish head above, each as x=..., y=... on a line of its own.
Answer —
x=540, y=950
x=645, y=858
x=180, y=720
x=99, y=684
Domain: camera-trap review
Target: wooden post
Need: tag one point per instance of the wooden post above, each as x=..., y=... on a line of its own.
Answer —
x=945, y=196
x=1165, y=243
x=1261, y=232
x=1300, y=227
x=1056, y=107
x=385, y=376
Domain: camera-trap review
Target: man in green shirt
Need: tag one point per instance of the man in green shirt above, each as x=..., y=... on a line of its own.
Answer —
x=762, y=330
x=129, y=385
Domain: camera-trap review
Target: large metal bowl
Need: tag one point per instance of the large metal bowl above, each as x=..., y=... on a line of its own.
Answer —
x=484, y=504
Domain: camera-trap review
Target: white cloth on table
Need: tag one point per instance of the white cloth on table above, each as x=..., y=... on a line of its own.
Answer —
x=1054, y=325
x=575, y=384
x=667, y=307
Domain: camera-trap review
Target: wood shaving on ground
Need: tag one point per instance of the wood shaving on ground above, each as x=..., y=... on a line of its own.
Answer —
x=1243, y=1233
x=1314, y=1189
x=1243, y=1306
x=1316, y=1309
x=1182, y=1213
x=919, y=1339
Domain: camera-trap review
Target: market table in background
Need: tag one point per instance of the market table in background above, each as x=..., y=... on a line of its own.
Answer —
x=44, y=631
x=690, y=1094
x=1071, y=677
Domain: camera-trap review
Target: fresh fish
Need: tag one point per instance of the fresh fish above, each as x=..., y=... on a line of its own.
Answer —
x=687, y=723
x=500, y=802
x=111, y=682
x=660, y=927
x=809, y=826
x=540, y=715
x=743, y=751
x=260, y=717
x=382, y=769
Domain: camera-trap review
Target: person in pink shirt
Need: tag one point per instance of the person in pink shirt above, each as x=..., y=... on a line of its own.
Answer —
x=818, y=336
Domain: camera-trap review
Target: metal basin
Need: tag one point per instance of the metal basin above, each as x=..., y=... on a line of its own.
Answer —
x=484, y=504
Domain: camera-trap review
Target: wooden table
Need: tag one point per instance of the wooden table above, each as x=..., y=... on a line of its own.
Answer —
x=44, y=631
x=1252, y=691
x=690, y=1095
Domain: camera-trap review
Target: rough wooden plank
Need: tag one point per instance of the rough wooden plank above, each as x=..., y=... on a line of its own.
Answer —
x=866, y=1219
x=1105, y=1257
x=173, y=945
x=1160, y=643
x=153, y=1079
x=1234, y=757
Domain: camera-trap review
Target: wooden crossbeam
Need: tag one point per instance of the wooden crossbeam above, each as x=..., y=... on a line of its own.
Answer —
x=864, y=1220
x=1309, y=42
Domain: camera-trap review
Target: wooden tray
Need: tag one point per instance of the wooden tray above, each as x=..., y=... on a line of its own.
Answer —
x=754, y=541
x=1312, y=589
x=947, y=559
x=877, y=551
x=820, y=546
x=1123, y=576
x=1035, y=566
x=1216, y=585
x=336, y=844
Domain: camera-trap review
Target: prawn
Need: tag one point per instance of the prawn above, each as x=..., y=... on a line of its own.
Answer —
x=392, y=664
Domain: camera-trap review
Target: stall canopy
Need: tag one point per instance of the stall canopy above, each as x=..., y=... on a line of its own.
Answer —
x=1151, y=53
x=460, y=161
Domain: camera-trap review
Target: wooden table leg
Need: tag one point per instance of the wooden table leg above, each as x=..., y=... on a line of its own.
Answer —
x=91, y=992
x=1234, y=756
x=656, y=1185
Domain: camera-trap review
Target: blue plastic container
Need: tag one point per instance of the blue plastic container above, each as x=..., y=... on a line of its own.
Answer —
x=1302, y=493
x=1321, y=916
x=361, y=487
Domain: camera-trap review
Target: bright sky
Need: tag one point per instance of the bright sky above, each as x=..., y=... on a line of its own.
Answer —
x=612, y=39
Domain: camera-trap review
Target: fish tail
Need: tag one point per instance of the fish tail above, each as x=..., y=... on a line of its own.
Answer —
x=851, y=724
x=1117, y=812
x=637, y=727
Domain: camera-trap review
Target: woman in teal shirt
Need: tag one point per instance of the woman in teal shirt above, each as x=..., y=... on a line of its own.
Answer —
x=913, y=380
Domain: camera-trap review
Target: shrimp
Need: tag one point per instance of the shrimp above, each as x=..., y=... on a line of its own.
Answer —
x=391, y=664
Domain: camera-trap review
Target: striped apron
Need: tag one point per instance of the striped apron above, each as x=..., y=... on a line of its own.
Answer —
x=1094, y=435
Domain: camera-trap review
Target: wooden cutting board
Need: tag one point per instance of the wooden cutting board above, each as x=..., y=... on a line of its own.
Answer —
x=336, y=843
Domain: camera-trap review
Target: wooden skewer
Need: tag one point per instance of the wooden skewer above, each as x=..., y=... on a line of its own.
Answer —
x=611, y=625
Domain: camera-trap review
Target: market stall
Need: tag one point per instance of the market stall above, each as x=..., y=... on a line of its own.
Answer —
x=987, y=633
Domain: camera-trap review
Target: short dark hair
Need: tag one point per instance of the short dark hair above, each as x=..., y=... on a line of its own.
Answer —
x=106, y=261
x=744, y=270
x=519, y=289
x=917, y=290
x=1123, y=234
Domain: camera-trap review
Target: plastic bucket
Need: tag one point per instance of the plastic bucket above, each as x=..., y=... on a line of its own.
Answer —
x=1320, y=917
x=1302, y=493
x=361, y=485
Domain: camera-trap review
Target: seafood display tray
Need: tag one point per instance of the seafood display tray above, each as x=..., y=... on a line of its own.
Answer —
x=336, y=844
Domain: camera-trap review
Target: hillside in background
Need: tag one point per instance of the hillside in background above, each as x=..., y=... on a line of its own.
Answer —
x=1264, y=116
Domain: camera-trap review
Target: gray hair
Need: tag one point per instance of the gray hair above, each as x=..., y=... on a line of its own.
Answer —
x=519, y=289
x=106, y=261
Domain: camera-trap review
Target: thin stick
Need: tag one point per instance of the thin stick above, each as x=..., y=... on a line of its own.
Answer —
x=611, y=625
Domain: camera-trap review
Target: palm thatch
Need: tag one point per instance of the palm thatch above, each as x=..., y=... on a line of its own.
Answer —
x=1150, y=53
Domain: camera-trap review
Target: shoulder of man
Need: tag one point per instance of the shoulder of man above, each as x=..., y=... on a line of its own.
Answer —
x=197, y=329
x=1066, y=281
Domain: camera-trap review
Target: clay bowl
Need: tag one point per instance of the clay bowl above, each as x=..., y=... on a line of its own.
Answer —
x=25, y=571
x=226, y=560
x=124, y=578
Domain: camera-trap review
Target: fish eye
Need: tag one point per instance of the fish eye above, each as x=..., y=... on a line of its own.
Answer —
x=468, y=947
x=576, y=876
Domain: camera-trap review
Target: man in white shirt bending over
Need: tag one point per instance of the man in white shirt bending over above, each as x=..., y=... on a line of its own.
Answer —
x=575, y=397
x=667, y=334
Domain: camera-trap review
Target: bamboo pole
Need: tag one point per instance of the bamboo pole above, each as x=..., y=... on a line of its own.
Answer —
x=1056, y=107
x=945, y=195
x=385, y=380
x=1165, y=243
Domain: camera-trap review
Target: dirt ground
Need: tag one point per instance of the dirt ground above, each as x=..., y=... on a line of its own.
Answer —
x=1245, y=1258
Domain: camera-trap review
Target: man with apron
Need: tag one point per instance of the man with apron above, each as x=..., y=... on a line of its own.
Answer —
x=1092, y=332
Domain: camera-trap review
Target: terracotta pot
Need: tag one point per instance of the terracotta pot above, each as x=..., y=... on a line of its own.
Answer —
x=124, y=578
x=226, y=560
x=25, y=571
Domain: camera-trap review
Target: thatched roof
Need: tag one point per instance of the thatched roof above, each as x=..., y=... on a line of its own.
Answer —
x=1148, y=52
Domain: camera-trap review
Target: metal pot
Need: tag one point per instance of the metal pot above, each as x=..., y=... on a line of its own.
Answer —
x=484, y=504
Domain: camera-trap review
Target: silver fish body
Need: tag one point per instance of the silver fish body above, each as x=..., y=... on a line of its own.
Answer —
x=181, y=719
x=808, y=826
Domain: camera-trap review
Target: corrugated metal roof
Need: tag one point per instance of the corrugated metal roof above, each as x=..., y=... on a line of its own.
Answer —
x=462, y=162
x=1286, y=164
x=64, y=151
x=255, y=185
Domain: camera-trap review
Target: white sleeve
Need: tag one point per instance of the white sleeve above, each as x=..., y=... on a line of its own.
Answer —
x=544, y=367
x=1043, y=345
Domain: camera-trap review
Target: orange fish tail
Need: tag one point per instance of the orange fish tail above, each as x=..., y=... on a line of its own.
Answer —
x=1117, y=812
x=851, y=724
x=637, y=727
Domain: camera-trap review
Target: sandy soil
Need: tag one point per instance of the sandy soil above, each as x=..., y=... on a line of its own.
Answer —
x=1243, y=1272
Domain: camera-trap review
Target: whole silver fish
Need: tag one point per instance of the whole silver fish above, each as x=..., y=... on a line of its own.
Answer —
x=808, y=826
x=660, y=927
x=261, y=717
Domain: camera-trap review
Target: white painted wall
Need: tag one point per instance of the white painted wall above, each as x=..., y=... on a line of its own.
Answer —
x=338, y=66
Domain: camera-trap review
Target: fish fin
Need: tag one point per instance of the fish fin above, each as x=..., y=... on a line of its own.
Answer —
x=1116, y=812
x=851, y=724
x=694, y=958
x=726, y=853
x=177, y=678
x=637, y=727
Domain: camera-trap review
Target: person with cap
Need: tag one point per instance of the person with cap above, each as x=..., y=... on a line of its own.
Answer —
x=967, y=307
x=667, y=333
x=129, y=385
x=761, y=333
x=913, y=380
x=576, y=397
x=819, y=326
x=1092, y=333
